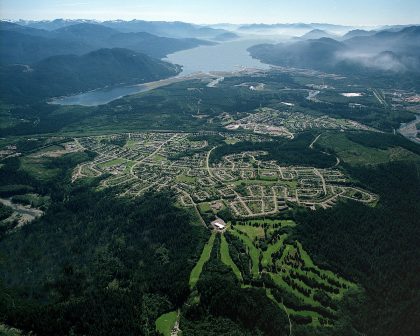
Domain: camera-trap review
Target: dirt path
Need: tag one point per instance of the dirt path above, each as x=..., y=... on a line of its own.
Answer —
x=311, y=146
x=288, y=317
x=175, y=330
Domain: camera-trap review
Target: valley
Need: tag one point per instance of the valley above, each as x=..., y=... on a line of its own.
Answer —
x=166, y=178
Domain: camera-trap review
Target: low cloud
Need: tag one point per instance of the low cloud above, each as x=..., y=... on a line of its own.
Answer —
x=386, y=61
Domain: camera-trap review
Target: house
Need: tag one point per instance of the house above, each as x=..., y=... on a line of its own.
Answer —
x=219, y=224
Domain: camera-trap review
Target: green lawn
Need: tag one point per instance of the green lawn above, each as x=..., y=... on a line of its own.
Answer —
x=158, y=158
x=48, y=149
x=128, y=166
x=254, y=253
x=231, y=141
x=251, y=231
x=204, y=207
x=315, y=316
x=356, y=154
x=186, y=179
x=131, y=143
x=166, y=322
x=227, y=260
x=267, y=260
x=38, y=168
x=309, y=263
x=111, y=163
x=205, y=256
x=287, y=222
x=254, y=182
x=280, y=282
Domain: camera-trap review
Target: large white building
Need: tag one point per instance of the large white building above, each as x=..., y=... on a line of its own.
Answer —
x=219, y=224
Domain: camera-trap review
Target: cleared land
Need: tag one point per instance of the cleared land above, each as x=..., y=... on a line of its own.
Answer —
x=166, y=322
x=205, y=256
x=227, y=260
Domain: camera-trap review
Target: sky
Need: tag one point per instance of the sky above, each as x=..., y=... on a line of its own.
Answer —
x=354, y=12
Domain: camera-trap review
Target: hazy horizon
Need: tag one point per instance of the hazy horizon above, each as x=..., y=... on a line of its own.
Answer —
x=374, y=13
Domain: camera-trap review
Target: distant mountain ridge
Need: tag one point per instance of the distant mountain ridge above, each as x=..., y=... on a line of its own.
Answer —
x=174, y=29
x=317, y=34
x=357, y=33
x=23, y=44
x=67, y=74
x=385, y=51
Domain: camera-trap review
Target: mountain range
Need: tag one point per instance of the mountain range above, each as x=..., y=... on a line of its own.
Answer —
x=65, y=74
x=25, y=44
x=377, y=51
x=160, y=28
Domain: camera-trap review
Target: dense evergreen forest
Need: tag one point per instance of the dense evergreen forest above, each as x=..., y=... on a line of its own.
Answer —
x=232, y=309
x=100, y=264
x=377, y=247
x=287, y=152
x=94, y=264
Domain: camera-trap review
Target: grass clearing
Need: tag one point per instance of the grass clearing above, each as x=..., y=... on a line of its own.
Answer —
x=204, y=207
x=231, y=141
x=205, y=256
x=315, y=316
x=253, y=252
x=166, y=322
x=131, y=143
x=227, y=260
x=355, y=154
x=267, y=259
x=280, y=282
x=251, y=231
x=113, y=162
x=158, y=158
x=186, y=179
x=38, y=168
x=269, y=222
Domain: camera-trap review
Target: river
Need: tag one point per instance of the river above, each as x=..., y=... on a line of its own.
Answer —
x=224, y=57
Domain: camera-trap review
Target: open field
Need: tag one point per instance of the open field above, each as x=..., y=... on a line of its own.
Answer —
x=353, y=153
x=166, y=322
x=227, y=260
x=205, y=255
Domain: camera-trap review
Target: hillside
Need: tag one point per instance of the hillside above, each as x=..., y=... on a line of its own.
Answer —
x=174, y=29
x=26, y=45
x=18, y=48
x=65, y=74
x=317, y=54
x=317, y=34
x=358, y=33
x=396, y=52
x=166, y=29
